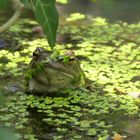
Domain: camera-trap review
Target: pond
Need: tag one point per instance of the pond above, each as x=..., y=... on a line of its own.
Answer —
x=109, y=54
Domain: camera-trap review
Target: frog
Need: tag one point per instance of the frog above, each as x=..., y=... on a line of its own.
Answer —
x=52, y=72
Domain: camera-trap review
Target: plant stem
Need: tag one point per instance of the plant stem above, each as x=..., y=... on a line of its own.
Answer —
x=13, y=19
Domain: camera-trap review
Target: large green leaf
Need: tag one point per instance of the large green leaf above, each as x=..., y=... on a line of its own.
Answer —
x=47, y=16
x=26, y=3
x=4, y=3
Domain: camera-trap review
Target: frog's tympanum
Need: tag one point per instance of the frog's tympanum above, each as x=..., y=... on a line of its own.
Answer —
x=52, y=71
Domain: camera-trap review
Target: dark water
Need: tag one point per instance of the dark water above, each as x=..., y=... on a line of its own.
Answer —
x=127, y=127
x=114, y=10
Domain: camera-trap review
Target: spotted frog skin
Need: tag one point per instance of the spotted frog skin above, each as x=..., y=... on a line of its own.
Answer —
x=56, y=73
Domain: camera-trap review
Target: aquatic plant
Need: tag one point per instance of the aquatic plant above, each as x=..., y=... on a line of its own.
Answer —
x=45, y=13
x=109, y=54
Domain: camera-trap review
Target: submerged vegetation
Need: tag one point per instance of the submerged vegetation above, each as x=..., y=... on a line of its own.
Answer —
x=110, y=57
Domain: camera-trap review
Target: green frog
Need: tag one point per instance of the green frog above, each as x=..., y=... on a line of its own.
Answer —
x=52, y=72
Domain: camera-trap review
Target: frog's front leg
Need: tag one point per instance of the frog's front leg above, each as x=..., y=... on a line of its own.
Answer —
x=35, y=87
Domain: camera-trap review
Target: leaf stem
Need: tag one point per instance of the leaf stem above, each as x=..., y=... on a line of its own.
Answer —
x=20, y=8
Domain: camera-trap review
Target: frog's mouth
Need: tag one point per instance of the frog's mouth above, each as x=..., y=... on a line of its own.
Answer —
x=72, y=59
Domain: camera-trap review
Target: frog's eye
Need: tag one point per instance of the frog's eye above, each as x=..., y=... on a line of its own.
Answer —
x=61, y=59
x=72, y=59
x=35, y=54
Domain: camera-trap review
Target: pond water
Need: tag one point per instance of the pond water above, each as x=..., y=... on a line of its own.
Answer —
x=80, y=115
x=114, y=10
x=129, y=128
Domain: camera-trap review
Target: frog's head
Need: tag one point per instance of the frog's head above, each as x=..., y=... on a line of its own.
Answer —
x=39, y=53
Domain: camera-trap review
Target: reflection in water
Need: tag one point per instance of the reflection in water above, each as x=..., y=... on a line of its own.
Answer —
x=129, y=127
x=69, y=119
x=114, y=10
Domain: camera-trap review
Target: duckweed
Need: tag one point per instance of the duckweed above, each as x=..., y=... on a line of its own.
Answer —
x=109, y=55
